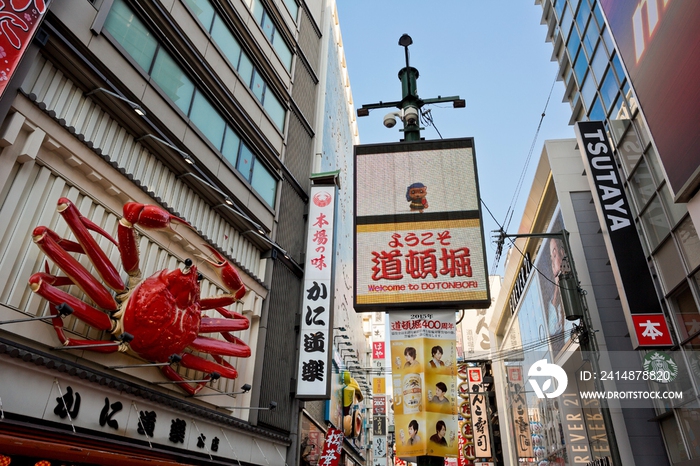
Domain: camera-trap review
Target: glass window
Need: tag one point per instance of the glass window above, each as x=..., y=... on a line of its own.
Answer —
x=669, y=265
x=580, y=66
x=268, y=27
x=573, y=45
x=590, y=38
x=203, y=10
x=245, y=69
x=642, y=129
x=205, y=117
x=282, y=51
x=258, y=11
x=132, y=34
x=674, y=441
x=174, y=82
x=599, y=63
x=264, y=183
x=675, y=210
x=582, y=15
x=275, y=109
x=690, y=422
x=655, y=223
x=618, y=68
x=598, y=15
x=597, y=111
x=566, y=22
x=642, y=185
x=245, y=162
x=258, y=86
x=689, y=242
x=630, y=150
x=232, y=143
x=588, y=91
x=608, y=90
x=228, y=44
x=653, y=162
x=609, y=44
x=292, y=7
x=559, y=7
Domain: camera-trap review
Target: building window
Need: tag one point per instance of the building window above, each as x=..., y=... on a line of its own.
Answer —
x=676, y=447
x=690, y=245
x=292, y=7
x=230, y=47
x=272, y=34
x=132, y=34
x=655, y=223
x=127, y=29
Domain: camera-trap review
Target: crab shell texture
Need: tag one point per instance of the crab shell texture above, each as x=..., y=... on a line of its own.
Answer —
x=164, y=314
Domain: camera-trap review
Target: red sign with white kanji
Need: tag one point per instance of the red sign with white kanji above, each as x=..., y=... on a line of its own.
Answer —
x=651, y=330
x=332, y=448
x=378, y=351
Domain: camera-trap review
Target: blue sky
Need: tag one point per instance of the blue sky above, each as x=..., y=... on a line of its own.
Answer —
x=493, y=54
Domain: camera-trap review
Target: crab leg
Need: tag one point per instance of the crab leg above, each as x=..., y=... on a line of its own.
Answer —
x=199, y=364
x=43, y=284
x=48, y=243
x=145, y=216
x=232, y=323
x=232, y=281
x=222, y=348
x=80, y=225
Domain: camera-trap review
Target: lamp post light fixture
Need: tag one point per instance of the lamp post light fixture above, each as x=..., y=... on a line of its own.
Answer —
x=134, y=106
x=271, y=407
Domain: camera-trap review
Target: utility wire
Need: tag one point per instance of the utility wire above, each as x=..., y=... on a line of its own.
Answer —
x=516, y=194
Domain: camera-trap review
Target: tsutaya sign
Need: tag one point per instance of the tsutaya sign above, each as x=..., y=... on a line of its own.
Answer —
x=650, y=326
x=419, y=240
x=313, y=381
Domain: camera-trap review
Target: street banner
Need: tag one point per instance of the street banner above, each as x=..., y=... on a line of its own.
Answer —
x=521, y=421
x=479, y=413
x=424, y=383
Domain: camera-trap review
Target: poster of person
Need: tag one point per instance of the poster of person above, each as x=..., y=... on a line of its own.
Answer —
x=549, y=263
x=424, y=370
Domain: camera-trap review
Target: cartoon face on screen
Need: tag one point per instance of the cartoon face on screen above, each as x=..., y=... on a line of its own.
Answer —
x=416, y=196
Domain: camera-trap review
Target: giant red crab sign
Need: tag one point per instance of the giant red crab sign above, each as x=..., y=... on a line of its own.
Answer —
x=157, y=317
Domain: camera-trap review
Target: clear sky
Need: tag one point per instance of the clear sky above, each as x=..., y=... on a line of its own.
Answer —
x=491, y=53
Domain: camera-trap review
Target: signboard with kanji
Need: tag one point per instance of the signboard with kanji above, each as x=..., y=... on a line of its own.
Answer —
x=419, y=239
x=313, y=380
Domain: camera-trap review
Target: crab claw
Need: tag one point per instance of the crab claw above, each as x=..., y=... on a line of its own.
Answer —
x=232, y=281
x=145, y=216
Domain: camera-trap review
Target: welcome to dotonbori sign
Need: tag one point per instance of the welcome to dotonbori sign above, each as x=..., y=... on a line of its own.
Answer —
x=419, y=239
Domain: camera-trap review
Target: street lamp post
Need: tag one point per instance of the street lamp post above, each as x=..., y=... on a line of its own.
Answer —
x=575, y=307
x=410, y=104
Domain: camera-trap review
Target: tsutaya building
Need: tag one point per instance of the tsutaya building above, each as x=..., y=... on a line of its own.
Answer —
x=530, y=326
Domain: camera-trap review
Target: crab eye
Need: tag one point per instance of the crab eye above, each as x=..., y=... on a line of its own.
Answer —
x=200, y=277
x=188, y=262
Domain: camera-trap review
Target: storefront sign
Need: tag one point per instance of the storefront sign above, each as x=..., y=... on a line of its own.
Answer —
x=313, y=381
x=418, y=232
x=630, y=260
x=332, y=448
x=424, y=383
x=36, y=393
x=521, y=421
x=480, y=421
x=20, y=21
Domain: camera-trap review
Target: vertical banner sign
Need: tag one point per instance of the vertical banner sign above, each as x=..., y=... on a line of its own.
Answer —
x=19, y=21
x=521, y=421
x=480, y=420
x=650, y=326
x=424, y=383
x=419, y=241
x=379, y=441
x=332, y=448
x=313, y=379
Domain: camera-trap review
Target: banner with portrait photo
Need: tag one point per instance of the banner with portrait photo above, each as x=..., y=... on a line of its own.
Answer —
x=549, y=263
x=423, y=358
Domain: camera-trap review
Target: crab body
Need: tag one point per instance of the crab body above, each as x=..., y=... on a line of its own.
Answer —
x=161, y=314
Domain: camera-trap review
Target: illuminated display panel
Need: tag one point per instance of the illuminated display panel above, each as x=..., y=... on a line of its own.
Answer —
x=418, y=232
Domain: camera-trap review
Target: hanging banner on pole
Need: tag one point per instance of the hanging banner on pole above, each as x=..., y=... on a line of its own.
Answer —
x=424, y=383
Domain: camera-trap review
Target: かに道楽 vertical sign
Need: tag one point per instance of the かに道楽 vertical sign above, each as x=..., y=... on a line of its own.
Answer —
x=313, y=380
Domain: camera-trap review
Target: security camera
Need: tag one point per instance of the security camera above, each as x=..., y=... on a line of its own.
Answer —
x=410, y=115
x=390, y=119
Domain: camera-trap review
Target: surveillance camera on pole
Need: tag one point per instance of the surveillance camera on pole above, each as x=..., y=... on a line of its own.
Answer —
x=410, y=105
